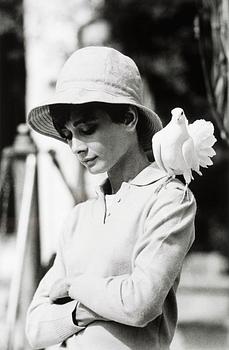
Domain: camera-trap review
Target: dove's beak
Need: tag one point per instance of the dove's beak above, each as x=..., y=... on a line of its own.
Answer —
x=176, y=116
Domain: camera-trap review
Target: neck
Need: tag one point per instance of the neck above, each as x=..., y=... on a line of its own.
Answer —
x=127, y=168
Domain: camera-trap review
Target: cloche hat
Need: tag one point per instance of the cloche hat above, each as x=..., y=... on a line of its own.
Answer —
x=96, y=74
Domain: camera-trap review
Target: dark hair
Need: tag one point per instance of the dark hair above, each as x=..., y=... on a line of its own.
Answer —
x=60, y=114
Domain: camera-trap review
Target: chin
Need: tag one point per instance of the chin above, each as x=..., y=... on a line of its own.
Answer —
x=96, y=170
x=99, y=167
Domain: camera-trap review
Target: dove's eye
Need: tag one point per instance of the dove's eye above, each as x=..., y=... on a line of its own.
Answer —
x=182, y=113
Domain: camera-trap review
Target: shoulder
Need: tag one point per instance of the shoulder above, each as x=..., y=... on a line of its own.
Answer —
x=174, y=190
x=174, y=197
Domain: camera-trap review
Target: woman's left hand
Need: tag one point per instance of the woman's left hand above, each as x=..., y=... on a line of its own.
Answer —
x=59, y=289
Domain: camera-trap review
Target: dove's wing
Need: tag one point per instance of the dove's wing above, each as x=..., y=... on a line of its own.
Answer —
x=156, y=146
x=188, y=152
x=202, y=133
x=190, y=156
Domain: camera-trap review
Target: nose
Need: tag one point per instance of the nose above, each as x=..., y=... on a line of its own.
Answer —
x=78, y=146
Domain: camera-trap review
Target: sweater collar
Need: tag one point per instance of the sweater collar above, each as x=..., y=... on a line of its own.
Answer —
x=146, y=177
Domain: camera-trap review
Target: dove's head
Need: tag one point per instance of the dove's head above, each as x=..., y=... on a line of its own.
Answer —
x=178, y=116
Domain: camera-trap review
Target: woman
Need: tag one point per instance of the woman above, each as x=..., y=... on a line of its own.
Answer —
x=117, y=268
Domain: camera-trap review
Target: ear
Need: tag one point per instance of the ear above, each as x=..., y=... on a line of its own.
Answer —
x=131, y=118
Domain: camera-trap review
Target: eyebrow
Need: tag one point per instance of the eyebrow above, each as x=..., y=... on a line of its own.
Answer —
x=83, y=116
x=79, y=121
x=83, y=120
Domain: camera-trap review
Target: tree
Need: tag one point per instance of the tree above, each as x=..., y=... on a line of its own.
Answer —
x=12, y=70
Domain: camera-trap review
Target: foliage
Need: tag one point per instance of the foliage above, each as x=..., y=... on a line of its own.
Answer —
x=11, y=18
x=159, y=36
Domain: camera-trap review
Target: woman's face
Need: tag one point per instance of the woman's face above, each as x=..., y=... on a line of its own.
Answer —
x=99, y=143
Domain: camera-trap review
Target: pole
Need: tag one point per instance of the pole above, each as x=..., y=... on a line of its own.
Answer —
x=22, y=240
x=25, y=279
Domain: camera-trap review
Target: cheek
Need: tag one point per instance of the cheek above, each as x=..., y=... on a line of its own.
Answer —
x=98, y=148
x=116, y=146
x=110, y=145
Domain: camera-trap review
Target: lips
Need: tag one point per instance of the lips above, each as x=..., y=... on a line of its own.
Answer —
x=89, y=161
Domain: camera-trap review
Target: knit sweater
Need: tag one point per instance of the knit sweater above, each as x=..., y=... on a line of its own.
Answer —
x=124, y=255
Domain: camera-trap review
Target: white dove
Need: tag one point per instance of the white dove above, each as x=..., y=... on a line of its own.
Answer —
x=179, y=148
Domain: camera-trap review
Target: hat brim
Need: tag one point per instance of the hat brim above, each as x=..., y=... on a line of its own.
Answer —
x=40, y=119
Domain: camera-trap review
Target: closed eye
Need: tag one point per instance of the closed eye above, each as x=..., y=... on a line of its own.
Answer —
x=87, y=129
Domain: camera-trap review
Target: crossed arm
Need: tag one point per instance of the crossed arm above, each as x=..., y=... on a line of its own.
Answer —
x=133, y=299
x=51, y=315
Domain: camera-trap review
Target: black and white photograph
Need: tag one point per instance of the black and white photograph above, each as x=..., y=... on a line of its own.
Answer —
x=114, y=165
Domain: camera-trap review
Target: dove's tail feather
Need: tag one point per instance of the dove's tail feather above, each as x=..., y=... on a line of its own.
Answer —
x=202, y=133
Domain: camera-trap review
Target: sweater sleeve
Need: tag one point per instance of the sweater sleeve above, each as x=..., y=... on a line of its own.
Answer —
x=84, y=316
x=50, y=323
x=136, y=299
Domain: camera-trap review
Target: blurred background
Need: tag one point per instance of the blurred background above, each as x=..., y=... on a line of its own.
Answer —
x=182, y=51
